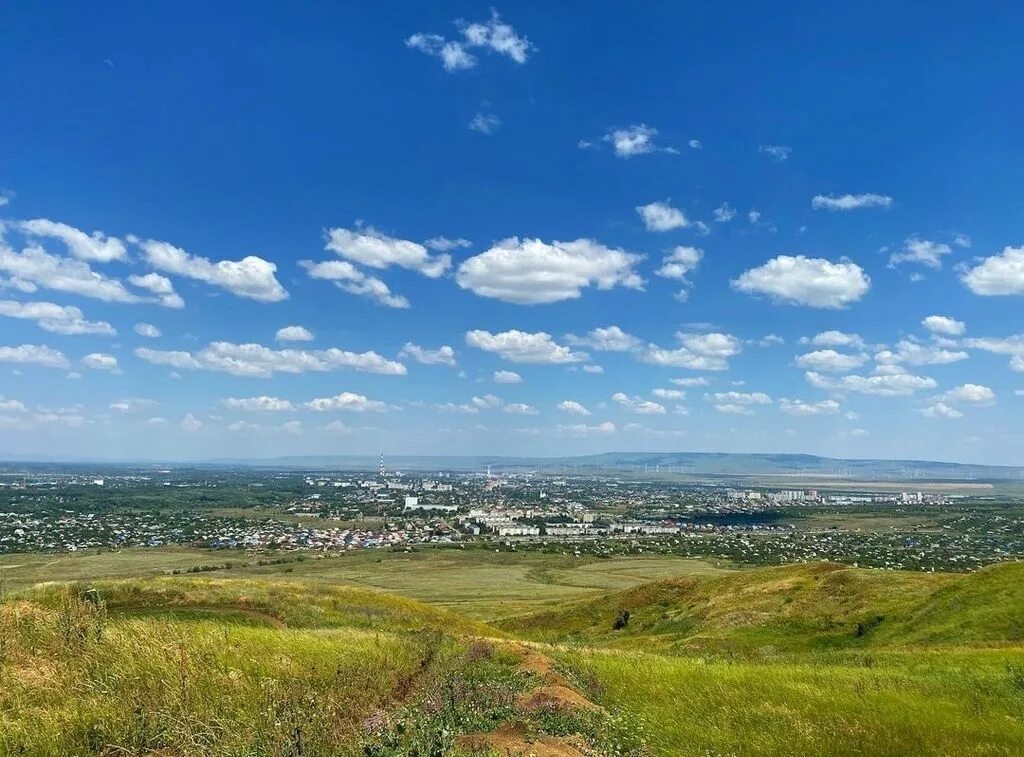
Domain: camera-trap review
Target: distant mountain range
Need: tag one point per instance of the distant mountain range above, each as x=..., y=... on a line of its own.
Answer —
x=692, y=463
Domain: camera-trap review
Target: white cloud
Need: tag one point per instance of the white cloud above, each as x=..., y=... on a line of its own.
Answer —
x=31, y=354
x=443, y=244
x=593, y=369
x=669, y=394
x=524, y=347
x=702, y=352
x=443, y=355
x=259, y=404
x=571, y=406
x=962, y=240
x=920, y=251
x=100, y=361
x=530, y=271
x=895, y=384
x=96, y=246
x=971, y=394
x=850, y=202
x=582, y=429
x=690, y=381
x=58, y=319
x=485, y=123
x=779, y=152
x=737, y=403
x=350, y=279
x=348, y=401
x=518, y=408
x=831, y=361
x=800, y=408
x=293, y=334
x=637, y=139
x=754, y=216
x=132, y=404
x=190, y=423
x=35, y=267
x=834, y=339
x=160, y=286
x=940, y=324
x=257, y=360
x=251, y=277
x=695, y=144
x=494, y=35
x=638, y=405
x=369, y=247
x=800, y=280
x=147, y=330
x=607, y=339
x=1000, y=274
x=941, y=410
x=678, y=265
x=724, y=213
x=916, y=353
x=660, y=216
x=507, y=377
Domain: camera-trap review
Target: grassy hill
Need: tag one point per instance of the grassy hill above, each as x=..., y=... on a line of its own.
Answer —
x=795, y=608
x=804, y=659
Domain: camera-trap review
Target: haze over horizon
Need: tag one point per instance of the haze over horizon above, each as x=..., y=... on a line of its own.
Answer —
x=455, y=230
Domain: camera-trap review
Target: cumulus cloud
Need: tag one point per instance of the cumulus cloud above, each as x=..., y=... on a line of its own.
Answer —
x=799, y=280
x=637, y=139
x=261, y=404
x=941, y=410
x=921, y=251
x=593, y=369
x=444, y=244
x=638, y=405
x=894, y=384
x=737, y=403
x=132, y=404
x=524, y=347
x=100, y=361
x=485, y=123
x=190, y=423
x=32, y=354
x=443, y=355
x=259, y=361
x=161, y=287
x=373, y=249
x=147, y=330
x=678, y=265
x=702, y=352
x=518, y=408
x=350, y=279
x=831, y=361
x=493, y=35
x=724, y=213
x=779, y=152
x=660, y=216
x=347, y=401
x=96, y=246
x=530, y=271
x=669, y=394
x=293, y=334
x=1000, y=274
x=850, y=202
x=573, y=407
x=251, y=277
x=971, y=394
x=916, y=353
x=607, y=339
x=834, y=339
x=940, y=324
x=58, y=319
x=800, y=408
x=507, y=377
x=690, y=381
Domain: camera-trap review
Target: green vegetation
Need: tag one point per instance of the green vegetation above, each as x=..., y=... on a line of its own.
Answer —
x=451, y=651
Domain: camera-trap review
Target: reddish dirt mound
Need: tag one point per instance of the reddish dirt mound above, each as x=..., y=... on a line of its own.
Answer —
x=555, y=698
x=541, y=665
x=514, y=742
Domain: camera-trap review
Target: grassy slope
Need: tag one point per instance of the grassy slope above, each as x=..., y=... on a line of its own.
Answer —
x=797, y=608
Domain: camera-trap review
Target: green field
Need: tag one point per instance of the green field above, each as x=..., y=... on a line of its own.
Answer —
x=436, y=652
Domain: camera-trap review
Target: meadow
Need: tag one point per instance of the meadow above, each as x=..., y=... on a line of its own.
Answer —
x=450, y=651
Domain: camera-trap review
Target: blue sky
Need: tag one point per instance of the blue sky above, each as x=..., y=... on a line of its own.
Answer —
x=518, y=230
